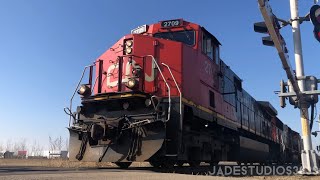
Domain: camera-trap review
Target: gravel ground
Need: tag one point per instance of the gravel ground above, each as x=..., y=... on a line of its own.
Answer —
x=142, y=175
x=54, y=163
x=61, y=169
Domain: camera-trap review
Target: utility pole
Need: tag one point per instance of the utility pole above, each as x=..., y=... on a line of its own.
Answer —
x=302, y=90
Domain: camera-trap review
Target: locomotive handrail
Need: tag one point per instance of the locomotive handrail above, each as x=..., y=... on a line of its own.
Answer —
x=164, y=79
x=180, y=100
x=70, y=107
x=94, y=84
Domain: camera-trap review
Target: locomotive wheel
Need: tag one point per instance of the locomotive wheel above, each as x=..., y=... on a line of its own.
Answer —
x=214, y=163
x=167, y=164
x=180, y=163
x=155, y=164
x=194, y=163
x=123, y=165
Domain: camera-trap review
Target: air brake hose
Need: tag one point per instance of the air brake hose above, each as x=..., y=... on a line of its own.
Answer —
x=84, y=141
x=105, y=152
x=83, y=147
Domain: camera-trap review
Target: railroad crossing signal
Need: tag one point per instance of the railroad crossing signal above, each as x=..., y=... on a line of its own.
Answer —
x=296, y=81
x=315, y=18
x=261, y=27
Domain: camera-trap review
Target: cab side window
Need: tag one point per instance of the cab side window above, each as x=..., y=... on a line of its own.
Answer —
x=209, y=48
x=217, y=54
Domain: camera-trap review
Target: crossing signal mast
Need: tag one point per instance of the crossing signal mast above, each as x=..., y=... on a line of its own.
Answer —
x=301, y=90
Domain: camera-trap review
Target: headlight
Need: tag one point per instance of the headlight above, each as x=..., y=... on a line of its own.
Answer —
x=84, y=90
x=131, y=83
x=129, y=43
x=128, y=50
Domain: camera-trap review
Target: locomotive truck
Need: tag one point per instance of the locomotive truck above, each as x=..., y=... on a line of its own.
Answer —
x=163, y=95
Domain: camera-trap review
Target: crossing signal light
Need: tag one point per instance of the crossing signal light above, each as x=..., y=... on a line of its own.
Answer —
x=283, y=89
x=316, y=33
x=267, y=41
x=315, y=19
x=260, y=27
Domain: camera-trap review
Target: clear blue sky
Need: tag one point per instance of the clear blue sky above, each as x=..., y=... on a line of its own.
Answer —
x=44, y=46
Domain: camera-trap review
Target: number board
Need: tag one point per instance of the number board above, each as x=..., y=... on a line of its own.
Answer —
x=171, y=23
x=140, y=29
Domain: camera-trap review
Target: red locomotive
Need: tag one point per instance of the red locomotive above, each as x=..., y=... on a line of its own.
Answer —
x=162, y=94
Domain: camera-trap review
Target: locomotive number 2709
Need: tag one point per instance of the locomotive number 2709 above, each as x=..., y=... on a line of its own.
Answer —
x=170, y=23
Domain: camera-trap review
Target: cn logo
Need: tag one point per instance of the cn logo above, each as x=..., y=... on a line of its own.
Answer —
x=113, y=72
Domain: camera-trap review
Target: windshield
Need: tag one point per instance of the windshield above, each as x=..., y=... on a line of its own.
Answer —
x=186, y=37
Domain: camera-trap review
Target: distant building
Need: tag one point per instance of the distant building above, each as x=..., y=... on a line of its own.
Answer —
x=22, y=155
x=38, y=155
x=64, y=154
x=8, y=155
x=58, y=154
x=48, y=155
